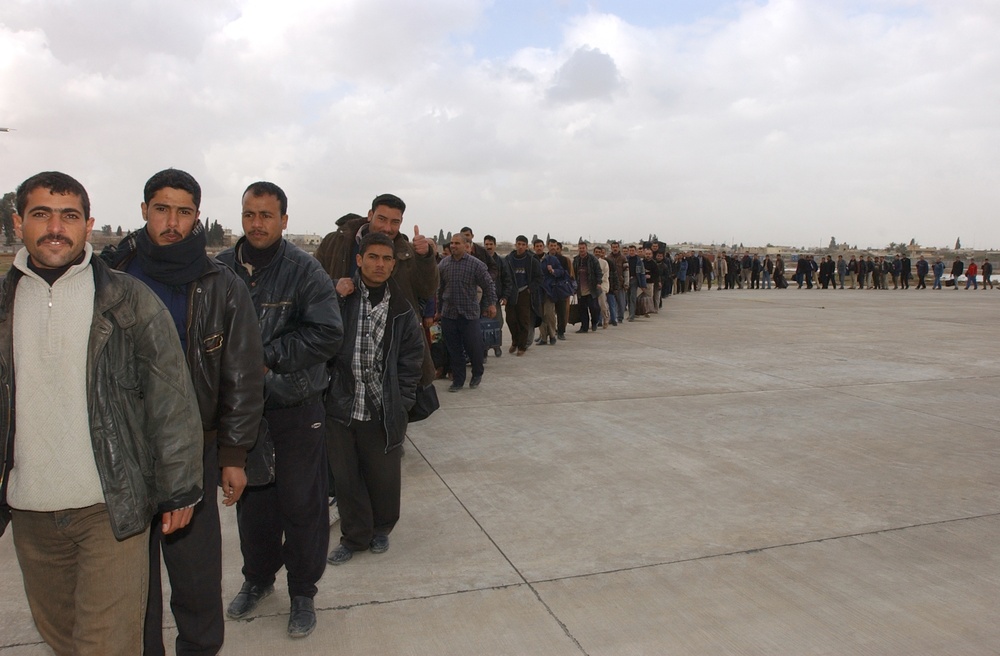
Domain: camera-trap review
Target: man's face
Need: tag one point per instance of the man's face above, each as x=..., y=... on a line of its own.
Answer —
x=262, y=219
x=170, y=215
x=491, y=246
x=457, y=246
x=521, y=247
x=376, y=264
x=539, y=248
x=53, y=228
x=599, y=253
x=631, y=250
x=659, y=257
x=386, y=220
x=582, y=248
x=647, y=253
x=468, y=235
x=553, y=248
x=615, y=249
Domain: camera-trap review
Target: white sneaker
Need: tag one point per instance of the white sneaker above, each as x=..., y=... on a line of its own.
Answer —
x=334, y=511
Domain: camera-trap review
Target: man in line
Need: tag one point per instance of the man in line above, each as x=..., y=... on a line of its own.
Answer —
x=215, y=320
x=603, y=297
x=458, y=309
x=562, y=307
x=480, y=253
x=957, y=269
x=415, y=272
x=938, y=270
x=636, y=278
x=617, y=260
x=922, y=269
x=522, y=295
x=588, y=281
x=299, y=321
x=107, y=426
x=987, y=273
x=373, y=385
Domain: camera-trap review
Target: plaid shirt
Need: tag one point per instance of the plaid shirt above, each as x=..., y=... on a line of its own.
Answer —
x=457, y=292
x=367, y=361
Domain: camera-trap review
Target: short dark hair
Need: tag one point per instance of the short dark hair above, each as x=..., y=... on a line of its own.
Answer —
x=258, y=189
x=390, y=201
x=175, y=179
x=375, y=239
x=468, y=230
x=521, y=238
x=489, y=238
x=57, y=183
x=537, y=241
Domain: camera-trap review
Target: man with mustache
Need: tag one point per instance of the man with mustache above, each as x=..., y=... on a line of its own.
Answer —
x=216, y=322
x=287, y=522
x=107, y=426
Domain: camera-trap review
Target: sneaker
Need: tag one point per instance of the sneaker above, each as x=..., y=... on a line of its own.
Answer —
x=379, y=544
x=247, y=599
x=339, y=555
x=474, y=383
x=454, y=388
x=334, y=511
x=301, y=618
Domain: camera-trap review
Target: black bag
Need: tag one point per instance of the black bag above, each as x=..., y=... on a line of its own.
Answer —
x=260, y=459
x=426, y=403
x=492, y=330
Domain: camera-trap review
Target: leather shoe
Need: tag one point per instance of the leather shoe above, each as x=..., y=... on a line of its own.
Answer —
x=379, y=544
x=454, y=388
x=474, y=383
x=339, y=555
x=247, y=599
x=302, y=618
x=513, y=347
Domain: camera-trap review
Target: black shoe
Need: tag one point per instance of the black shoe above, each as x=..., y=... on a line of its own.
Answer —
x=454, y=388
x=302, y=618
x=614, y=323
x=552, y=340
x=497, y=351
x=561, y=336
x=247, y=599
x=542, y=342
x=379, y=544
x=582, y=330
x=474, y=383
x=339, y=555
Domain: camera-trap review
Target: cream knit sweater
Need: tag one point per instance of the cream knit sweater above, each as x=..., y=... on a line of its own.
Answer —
x=54, y=466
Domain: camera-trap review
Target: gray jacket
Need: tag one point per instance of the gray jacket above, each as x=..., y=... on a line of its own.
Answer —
x=145, y=426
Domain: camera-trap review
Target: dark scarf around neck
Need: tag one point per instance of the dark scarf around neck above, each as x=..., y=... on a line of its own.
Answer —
x=174, y=264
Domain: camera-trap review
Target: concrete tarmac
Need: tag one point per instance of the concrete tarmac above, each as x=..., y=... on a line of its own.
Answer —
x=749, y=472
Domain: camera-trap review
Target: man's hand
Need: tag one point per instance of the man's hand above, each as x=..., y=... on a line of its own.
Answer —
x=491, y=312
x=175, y=520
x=234, y=481
x=422, y=245
x=345, y=286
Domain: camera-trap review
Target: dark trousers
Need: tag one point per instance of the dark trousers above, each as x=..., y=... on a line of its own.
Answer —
x=562, y=315
x=293, y=506
x=463, y=336
x=590, y=312
x=367, y=480
x=519, y=319
x=193, y=557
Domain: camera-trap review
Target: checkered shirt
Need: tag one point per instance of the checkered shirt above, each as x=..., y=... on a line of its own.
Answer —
x=367, y=361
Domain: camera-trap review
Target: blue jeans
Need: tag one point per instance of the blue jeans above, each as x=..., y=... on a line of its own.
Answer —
x=620, y=304
x=767, y=279
x=633, y=297
x=463, y=336
x=613, y=306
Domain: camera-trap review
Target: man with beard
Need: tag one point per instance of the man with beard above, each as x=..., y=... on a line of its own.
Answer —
x=415, y=271
x=216, y=323
x=286, y=523
x=523, y=269
x=107, y=428
x=617, y=260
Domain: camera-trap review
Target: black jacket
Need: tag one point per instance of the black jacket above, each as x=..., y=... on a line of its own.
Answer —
x=299, y=320
x=224, y=355
x=594, y=274
x=143, y=414
x=403, y=350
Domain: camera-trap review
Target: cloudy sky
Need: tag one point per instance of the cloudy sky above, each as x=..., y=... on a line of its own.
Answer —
x=781, y=121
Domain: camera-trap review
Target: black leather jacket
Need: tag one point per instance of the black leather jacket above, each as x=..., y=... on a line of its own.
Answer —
x=224, y=355
x=403, y=350
x=143, y=414
x=299, y=320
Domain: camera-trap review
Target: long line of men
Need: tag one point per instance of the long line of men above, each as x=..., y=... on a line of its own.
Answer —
x=151, y=377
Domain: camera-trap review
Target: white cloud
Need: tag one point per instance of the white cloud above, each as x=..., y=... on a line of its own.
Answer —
x=784, y=122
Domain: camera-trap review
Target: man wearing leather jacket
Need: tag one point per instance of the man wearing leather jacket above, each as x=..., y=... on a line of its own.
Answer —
x=216, y=322
x=373, y=384
x=107, y=430
x=286, y=523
